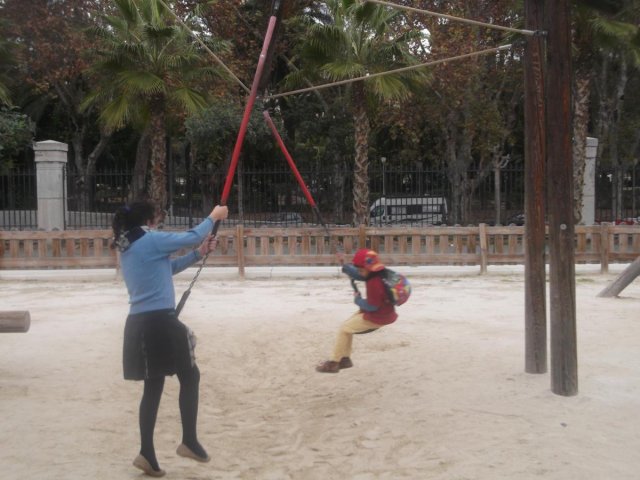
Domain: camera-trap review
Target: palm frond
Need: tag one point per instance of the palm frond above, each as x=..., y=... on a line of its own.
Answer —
x=116, y=114
x=5, y=96
x=340, y=70
x=613, y=29
x=140, y=83
x=191, y=100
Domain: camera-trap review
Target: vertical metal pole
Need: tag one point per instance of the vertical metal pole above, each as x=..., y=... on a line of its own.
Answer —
x=383, y=160
x=189, y=185
x=564, y=364
x=534, y=194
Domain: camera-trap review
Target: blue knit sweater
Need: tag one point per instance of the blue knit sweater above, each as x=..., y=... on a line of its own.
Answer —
x=147, y=268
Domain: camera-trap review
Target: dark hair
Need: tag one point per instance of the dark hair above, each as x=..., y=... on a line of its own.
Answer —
x=127, y=217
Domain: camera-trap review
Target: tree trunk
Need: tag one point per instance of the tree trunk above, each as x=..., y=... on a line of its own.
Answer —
x=86, y=169
x=453, y=176
x=83, y=180
x=158, y=180
x=618, y=178
x=580, y=130
x=361, y=168
x=240, y=180
x=143, y=152
x=603, y=116
x=497, y=199
x=338, y=183
x=614, y=136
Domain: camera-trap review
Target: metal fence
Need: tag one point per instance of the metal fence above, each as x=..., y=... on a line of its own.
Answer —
x=18, y=200
x=273, y=198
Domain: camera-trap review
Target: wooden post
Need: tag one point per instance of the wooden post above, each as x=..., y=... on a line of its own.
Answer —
x=240, y=249
x=604, y=248
x=564, y=364
x=15, y=321
x=483, y=248
x=534, y=164
x=362, y=236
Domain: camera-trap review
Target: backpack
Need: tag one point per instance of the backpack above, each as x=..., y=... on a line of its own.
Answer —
x=397, y=287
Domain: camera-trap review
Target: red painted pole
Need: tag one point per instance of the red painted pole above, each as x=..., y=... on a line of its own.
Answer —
x=238, y=147
x=296, y=173
x=292, y=164
x=247, y=112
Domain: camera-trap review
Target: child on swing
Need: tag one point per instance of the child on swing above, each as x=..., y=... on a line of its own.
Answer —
x=374, y=311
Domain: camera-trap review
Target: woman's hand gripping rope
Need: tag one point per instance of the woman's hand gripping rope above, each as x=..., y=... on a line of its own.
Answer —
x=209, y=244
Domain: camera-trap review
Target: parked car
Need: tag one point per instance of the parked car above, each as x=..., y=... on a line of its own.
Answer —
x=626, y=221
x=516, y=219
x=286, y=218
x=409, y=210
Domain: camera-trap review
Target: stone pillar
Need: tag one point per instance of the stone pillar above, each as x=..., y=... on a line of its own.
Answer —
x=50, y=158
x=589, y=183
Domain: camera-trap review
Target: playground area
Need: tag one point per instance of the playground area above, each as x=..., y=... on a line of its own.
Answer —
x=441, y=394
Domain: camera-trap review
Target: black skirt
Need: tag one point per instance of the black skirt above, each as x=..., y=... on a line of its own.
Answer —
x=156, y=344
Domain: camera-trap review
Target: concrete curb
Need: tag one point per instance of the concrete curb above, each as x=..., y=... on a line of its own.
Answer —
x=265, y=273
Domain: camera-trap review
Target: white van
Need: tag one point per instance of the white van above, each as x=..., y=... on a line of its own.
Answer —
x=423, y=210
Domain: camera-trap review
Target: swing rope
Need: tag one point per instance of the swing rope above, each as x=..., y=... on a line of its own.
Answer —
x=389, y=72
x=454, y=19
x=205, y=46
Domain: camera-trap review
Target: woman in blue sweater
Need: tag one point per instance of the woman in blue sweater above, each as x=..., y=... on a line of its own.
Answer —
x=156, y=343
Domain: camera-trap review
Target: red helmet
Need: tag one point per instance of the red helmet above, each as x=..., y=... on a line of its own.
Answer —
x=367, y=259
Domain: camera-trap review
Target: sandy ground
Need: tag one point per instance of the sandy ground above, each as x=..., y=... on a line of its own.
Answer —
x=440, y=394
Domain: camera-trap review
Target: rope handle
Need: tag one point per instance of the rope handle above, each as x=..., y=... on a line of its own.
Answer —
x=187, y=292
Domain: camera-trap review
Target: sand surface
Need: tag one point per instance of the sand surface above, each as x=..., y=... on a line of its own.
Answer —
x=440, y=394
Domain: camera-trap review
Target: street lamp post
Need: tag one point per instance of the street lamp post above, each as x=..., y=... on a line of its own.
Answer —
x=383, y=160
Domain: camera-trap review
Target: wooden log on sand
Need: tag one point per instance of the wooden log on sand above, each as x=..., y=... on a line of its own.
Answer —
x=624, y=279
x=14, y=321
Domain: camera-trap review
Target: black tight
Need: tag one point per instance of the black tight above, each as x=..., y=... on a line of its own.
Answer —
x=188, y=401
x=148, y=414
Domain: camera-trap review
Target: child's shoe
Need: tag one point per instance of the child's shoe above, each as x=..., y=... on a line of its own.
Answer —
x=345, y=362
x=328, y=367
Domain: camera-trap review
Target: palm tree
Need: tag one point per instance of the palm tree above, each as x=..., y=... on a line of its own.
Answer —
x=604, y=33
x=147, y=65
x=347, y=40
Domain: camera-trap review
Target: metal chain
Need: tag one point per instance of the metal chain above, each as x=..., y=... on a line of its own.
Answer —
x=187, y=292
x=204, y=260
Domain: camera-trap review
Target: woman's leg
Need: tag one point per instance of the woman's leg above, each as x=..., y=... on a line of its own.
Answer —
x=188, y=400
x=148, y=413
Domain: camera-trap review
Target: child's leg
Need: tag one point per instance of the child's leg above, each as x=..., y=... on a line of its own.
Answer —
x=354, y=324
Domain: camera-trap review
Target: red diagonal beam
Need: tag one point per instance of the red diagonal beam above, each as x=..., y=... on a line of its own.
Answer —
x=290, y=161
x=294, y=169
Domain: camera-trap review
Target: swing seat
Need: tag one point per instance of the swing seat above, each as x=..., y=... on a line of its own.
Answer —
x=366, y=331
